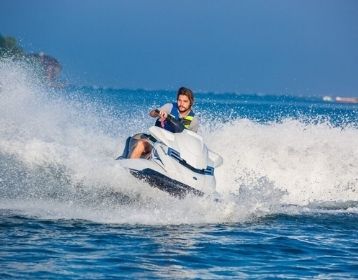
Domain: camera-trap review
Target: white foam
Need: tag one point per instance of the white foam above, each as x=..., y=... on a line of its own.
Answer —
x=310, y=162
x=67, y=155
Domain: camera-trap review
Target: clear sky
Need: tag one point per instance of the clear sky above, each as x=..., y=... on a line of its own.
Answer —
x=299, y=47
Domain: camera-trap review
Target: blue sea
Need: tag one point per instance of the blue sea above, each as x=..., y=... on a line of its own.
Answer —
x=287, y=193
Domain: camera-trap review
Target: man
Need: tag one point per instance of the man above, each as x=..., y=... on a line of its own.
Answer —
x=180, y=110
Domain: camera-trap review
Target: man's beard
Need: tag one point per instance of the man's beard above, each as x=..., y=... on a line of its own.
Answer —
x=183, y=109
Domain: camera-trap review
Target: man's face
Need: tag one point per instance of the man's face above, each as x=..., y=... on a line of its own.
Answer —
x=183, y=103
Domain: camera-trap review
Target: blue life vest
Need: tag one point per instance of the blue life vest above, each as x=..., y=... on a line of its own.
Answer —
x=175, y=113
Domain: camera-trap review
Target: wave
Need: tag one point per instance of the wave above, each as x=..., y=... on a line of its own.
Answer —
x=57, y=153
x=310, y=162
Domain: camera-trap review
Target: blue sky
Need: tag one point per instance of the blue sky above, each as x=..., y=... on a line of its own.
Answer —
x=307, y=47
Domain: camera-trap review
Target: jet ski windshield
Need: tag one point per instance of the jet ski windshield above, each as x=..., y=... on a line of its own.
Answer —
x=177, y=124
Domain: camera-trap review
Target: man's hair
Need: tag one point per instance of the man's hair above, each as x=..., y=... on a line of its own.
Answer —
x=188, y=93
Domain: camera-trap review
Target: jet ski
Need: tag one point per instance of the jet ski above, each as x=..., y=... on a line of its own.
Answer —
x=178, y=163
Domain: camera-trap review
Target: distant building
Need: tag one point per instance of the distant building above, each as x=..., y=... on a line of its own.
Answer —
x=346, y=99
x=49, y=65
x=340, y=99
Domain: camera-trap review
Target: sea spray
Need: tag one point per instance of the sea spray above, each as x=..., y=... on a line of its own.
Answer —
x=57, y=150
x=311, y=162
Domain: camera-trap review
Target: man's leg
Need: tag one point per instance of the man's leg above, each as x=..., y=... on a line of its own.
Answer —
x=140, y=148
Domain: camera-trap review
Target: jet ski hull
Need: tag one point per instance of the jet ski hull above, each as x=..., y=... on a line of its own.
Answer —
x=164, y=183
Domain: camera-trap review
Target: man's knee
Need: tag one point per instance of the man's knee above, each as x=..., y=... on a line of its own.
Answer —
x=141, y=144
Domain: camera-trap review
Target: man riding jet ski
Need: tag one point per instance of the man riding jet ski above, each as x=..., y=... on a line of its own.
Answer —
x=173, y=157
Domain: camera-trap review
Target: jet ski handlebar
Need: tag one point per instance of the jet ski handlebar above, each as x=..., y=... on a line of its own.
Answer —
x=177, y=124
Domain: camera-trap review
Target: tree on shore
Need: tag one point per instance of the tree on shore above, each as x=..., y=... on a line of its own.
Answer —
x=10, y=48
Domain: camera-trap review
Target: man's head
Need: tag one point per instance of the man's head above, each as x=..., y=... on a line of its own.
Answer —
x=185, y=99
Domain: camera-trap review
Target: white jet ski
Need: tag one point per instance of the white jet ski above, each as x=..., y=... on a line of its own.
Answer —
x=179, y=163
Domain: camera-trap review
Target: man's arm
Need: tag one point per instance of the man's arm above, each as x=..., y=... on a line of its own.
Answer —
x=163, y=111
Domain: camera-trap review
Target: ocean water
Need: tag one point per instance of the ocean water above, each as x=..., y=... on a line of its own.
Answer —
x=288, y=188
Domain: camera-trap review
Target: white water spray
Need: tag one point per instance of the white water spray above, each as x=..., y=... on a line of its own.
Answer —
x=57, y=161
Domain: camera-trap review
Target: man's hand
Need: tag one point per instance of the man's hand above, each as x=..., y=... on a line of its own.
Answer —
x=163, y=115
x=155, y=113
